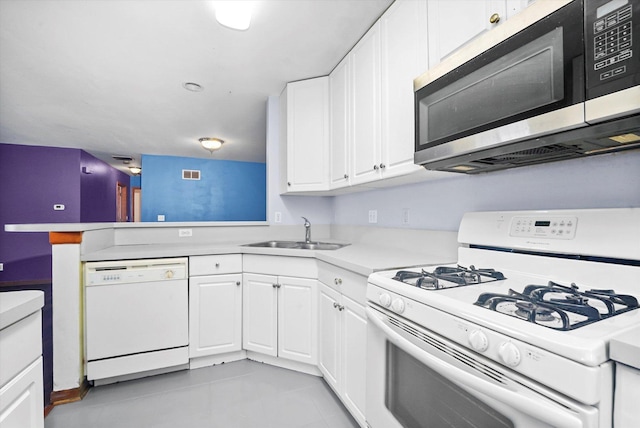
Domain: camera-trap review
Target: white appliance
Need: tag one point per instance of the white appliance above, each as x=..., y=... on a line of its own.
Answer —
x=497, y=344
x=136, y=316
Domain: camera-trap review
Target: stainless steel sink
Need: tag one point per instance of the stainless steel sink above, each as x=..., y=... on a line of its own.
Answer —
x=297, y=245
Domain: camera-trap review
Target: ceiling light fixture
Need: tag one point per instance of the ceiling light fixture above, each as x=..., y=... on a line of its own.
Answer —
x=234, y=14
x=135, y=170
x=193, y=87
x=211, y=144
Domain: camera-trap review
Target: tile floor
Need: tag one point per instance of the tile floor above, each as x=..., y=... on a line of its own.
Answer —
x=242, y=394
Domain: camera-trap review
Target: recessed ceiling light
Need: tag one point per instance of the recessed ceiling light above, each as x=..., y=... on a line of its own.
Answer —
x=193, y=87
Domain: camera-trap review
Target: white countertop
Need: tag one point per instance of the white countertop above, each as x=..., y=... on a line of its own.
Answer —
x=15, y=305
x=625, y=348
x=360, y=258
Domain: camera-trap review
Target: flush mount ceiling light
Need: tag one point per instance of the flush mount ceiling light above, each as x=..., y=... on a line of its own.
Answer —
x=193, y=87
x=234, y=14
x=135, y=170
x=211, y=144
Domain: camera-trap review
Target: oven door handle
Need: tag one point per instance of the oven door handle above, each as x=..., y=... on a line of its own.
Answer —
x=544, y=409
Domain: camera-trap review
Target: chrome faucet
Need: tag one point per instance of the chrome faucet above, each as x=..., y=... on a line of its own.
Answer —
x=307, y=230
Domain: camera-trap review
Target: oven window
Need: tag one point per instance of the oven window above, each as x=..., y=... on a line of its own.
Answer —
x=418, y=397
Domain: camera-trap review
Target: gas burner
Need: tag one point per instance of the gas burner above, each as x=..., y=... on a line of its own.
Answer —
x=448, y=277
x=529, y=310
x=558, y=306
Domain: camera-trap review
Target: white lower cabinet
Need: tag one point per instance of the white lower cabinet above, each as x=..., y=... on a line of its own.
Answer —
x=215, y=305
x=343, y=335
x=215, y=317
x=21, y=397
x=280, y=317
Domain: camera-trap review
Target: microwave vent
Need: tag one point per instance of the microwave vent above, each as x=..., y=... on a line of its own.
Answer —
x=541, y=153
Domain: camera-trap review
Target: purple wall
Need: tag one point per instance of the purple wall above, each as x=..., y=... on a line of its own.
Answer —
x=33, y=180
x=98, y=189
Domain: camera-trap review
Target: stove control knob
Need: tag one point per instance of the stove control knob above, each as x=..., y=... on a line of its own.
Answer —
x=385, y=300
x=398, y=306
x=478, y=340
x=509, y=354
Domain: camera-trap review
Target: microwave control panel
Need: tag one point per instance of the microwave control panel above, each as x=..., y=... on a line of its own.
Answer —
x=612, y=45
x=563, y=227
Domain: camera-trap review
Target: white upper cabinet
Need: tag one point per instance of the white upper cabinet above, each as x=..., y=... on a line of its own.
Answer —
x=403, y=42
x=339, y=133
x=365, y=107
x=383, y=66
x=453, y=23
x=304, y=130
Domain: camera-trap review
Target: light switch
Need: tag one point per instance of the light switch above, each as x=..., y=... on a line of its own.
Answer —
x=160, y=217
x=58, y=207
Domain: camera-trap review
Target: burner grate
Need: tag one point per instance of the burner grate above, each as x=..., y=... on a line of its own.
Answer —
x=557, y=306
x=448, y=277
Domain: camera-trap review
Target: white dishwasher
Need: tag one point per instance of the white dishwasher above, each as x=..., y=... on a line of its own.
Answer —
x=136, y=317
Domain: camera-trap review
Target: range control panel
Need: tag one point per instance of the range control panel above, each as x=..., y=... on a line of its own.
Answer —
x=554, y=227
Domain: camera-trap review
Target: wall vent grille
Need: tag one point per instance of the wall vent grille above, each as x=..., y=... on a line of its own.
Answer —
x=190, y=174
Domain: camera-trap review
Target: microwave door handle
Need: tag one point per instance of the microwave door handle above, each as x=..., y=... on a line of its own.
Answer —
x=544, y=410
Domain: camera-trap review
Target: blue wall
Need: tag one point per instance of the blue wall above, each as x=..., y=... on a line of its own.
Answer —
x=226, y=191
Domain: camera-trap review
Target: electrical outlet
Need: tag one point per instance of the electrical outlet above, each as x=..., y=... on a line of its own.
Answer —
x=58, y=207
x=405, y=216
x=182, y=233
x=160, y=217
x=1, y=267
x=278, y=217
x=373, y=216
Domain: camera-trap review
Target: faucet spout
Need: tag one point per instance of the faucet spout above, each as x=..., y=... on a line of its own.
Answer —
x=307, y=230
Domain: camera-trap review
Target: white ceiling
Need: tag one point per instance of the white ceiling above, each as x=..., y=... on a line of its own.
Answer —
x=106, y=75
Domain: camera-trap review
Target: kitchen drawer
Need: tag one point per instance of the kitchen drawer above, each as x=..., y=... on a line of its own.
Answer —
x=300, y=267
x=344, y=281
x=24, y=342
x=215, y=264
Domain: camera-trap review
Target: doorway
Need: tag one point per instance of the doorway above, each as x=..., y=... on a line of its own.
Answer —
x=121, y=202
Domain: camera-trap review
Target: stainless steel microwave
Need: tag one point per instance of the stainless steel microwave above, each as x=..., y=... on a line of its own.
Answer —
x=559, y=80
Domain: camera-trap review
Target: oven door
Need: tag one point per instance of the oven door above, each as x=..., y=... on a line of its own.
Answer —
x=417, y=379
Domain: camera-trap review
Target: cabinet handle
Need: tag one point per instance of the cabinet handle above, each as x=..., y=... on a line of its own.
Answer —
x=346, y=176
x=275, y=285
x=337, y=281
x=338, y=306
x=335, y=304
x=288, y=183
x=494, y=18
x=375, y=167
x=382, y=166
x=217, y=265
x=238, y=283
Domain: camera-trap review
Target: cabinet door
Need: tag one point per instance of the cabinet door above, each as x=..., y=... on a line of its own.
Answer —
x=308, y=135
x=403, y=41
x=260, y=314
x=215, y=314
x=330, y=346
x=339, y=108
x=354, y=361
x=21, y=401
x=365, y=107
x=298, y=319
x=449, y=28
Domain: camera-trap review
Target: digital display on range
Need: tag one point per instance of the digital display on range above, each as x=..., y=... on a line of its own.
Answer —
x=543, y=223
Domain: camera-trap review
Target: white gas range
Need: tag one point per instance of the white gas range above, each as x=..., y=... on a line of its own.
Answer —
x=518, y=329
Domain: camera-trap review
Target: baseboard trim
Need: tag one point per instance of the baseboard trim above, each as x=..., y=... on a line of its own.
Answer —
x=70, y=395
